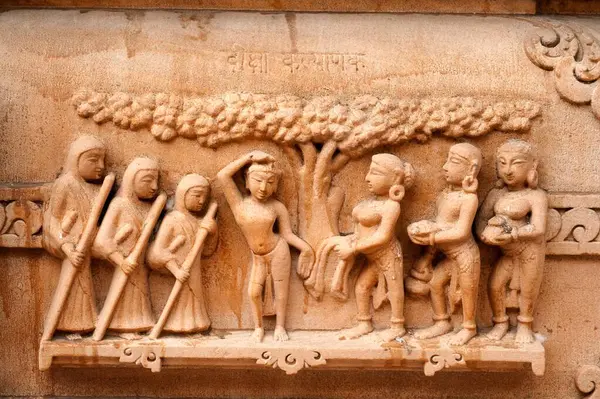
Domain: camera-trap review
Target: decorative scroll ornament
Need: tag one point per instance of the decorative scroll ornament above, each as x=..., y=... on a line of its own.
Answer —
x=573, y=224
x=587, y=381
x=573, y=53
x=146, y=356
x=444, y=358
x=21, y=216
x=291, y=361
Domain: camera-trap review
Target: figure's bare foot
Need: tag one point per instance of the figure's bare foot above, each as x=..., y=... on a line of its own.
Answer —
x=363, y=328
x=280, y=334
x=392, y=333
x=524, y=333
x=73, y=337
x=438, y=328
x=462, y=337
x=132, y=336
x=498, y=331
x=258, y=334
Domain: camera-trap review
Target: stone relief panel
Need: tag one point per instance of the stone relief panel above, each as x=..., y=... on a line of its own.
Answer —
x=88, y=218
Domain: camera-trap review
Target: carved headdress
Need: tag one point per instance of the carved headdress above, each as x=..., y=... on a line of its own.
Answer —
x=137, y=165
x=77, y=148
x=185, y=184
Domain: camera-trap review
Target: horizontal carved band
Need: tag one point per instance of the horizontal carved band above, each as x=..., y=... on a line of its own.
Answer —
x=573, y=220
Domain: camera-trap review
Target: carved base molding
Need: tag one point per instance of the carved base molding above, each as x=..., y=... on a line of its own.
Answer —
x=306, y=349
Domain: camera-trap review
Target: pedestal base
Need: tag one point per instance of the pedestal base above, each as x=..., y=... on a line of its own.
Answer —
x=305, y=349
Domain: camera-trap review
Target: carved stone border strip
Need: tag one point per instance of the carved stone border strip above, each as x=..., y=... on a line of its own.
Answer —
x=573, y=220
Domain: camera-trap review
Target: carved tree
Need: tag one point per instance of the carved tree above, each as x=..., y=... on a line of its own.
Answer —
x=319, y=135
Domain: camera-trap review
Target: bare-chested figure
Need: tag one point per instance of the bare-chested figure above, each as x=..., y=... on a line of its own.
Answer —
x=256, y=215
x=451, y=234
x=513, y=217
x=374, y=237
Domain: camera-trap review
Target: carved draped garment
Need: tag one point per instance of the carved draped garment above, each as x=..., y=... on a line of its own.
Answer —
x=174, y=241
x=120, y=230
x=64, y=221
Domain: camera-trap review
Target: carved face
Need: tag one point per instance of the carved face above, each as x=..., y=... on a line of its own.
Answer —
x=195, y=198
x=456, y=168
x=91, y=165
x=261, y=184
x=513, y=167
x=379, y=179
x=145, y=184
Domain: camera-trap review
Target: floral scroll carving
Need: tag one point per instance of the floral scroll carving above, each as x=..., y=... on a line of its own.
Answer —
x=587, y=381
x=444, y=358
x=144, y=356
x=573, y=224
x=573, y=53
x=291, y=361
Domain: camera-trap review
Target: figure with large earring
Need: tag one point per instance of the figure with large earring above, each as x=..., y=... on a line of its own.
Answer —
x=127, y=309
x=513, y=217
x=69, y=227
x=375, y=238
x=256, y=215
x=172, y=246
x=450, y=233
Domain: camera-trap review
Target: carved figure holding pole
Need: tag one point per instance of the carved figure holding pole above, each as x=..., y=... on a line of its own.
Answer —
x=451, y=234
x=70, y=225
x=122, y=240
x=513, y=217
x=180, y=241
x=256, y=215
x=374, y=237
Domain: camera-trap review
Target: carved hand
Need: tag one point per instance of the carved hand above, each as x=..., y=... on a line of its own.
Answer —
x=128, y=266
x=502, y=239
x=75, y=257
x=421, y=239
x=209, y=225
x=182, y=275
x=306, y=261
x=260, y=157
x=344, y=250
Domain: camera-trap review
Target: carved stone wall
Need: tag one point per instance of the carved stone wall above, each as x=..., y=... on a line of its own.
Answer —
x=198, y=89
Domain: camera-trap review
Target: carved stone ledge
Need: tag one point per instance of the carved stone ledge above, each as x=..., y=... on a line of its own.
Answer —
x=573, y=224
x=587, y=381
x=306, y=349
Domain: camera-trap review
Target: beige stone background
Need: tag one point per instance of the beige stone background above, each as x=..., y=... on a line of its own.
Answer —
x=48, y=55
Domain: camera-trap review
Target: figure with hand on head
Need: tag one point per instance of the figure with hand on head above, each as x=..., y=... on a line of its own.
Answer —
x=256, y=215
